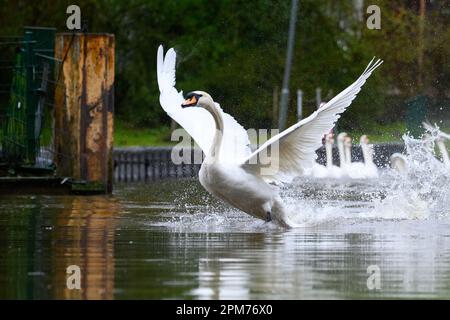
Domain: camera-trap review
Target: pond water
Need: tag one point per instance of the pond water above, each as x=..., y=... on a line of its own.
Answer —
x=170, y=239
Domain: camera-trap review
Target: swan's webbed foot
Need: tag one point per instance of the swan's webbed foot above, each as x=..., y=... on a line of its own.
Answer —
x=269, y=217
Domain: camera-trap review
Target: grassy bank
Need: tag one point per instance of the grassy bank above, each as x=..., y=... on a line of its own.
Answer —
x=126, y=135
x=381, y=134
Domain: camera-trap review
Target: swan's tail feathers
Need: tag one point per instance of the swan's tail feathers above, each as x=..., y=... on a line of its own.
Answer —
x=165, y=68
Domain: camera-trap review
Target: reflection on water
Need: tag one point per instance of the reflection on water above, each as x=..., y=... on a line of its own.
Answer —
x=172, y=240
x=41, y=236
x=84, y=236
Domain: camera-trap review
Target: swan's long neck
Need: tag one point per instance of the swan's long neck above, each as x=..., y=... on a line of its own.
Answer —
x=214, y=152
x=348, y=153
x=329, y=153
x=444, y=153
x=367, y=154
x=341, y=150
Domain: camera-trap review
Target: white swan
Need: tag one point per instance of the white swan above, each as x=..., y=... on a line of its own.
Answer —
x=329, y=170
x=230, y=171
x=341, y=150
x=399, y=163
x=359, y=170
x=371, y=169
x=355, y=170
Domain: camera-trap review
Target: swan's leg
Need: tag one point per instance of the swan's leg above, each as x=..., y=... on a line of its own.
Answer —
x=280, y=214
x=267, y=207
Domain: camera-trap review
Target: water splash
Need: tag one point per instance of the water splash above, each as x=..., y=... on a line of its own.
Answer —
x=421, y=192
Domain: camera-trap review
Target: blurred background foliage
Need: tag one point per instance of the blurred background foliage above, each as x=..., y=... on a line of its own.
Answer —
x=235, y=49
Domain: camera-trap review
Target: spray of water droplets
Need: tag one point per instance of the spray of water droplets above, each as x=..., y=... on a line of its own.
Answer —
x=421, y=192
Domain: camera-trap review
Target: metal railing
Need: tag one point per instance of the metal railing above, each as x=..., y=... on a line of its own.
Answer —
x=150, y=163
x=141, y=164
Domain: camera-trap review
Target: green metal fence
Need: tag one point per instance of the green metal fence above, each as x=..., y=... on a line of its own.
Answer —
x=26, y=92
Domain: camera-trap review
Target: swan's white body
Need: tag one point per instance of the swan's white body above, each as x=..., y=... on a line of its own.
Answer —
x=245, y=191
x=329, y=170
x=342, y=153
x=356, y=170
x=230, y=171
x=399, y=163
x=370, y=168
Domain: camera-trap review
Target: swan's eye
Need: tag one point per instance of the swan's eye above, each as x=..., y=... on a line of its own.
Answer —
x=190, y=102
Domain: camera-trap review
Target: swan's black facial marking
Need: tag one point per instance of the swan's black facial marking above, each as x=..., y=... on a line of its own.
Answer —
x=191, y=100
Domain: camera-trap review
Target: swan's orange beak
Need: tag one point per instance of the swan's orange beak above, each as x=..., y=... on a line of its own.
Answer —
x=189, y=102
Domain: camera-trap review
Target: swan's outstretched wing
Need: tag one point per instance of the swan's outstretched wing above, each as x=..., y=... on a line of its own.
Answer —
x=293, y=150
x=198, y=122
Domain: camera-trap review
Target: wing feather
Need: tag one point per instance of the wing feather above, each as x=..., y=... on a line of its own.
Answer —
x=198, y=122
x=293, y=150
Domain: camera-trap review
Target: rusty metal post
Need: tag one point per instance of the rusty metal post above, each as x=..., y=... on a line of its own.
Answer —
x=83, y=130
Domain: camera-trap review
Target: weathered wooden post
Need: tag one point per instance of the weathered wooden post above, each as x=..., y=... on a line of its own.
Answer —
x=83, y=130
